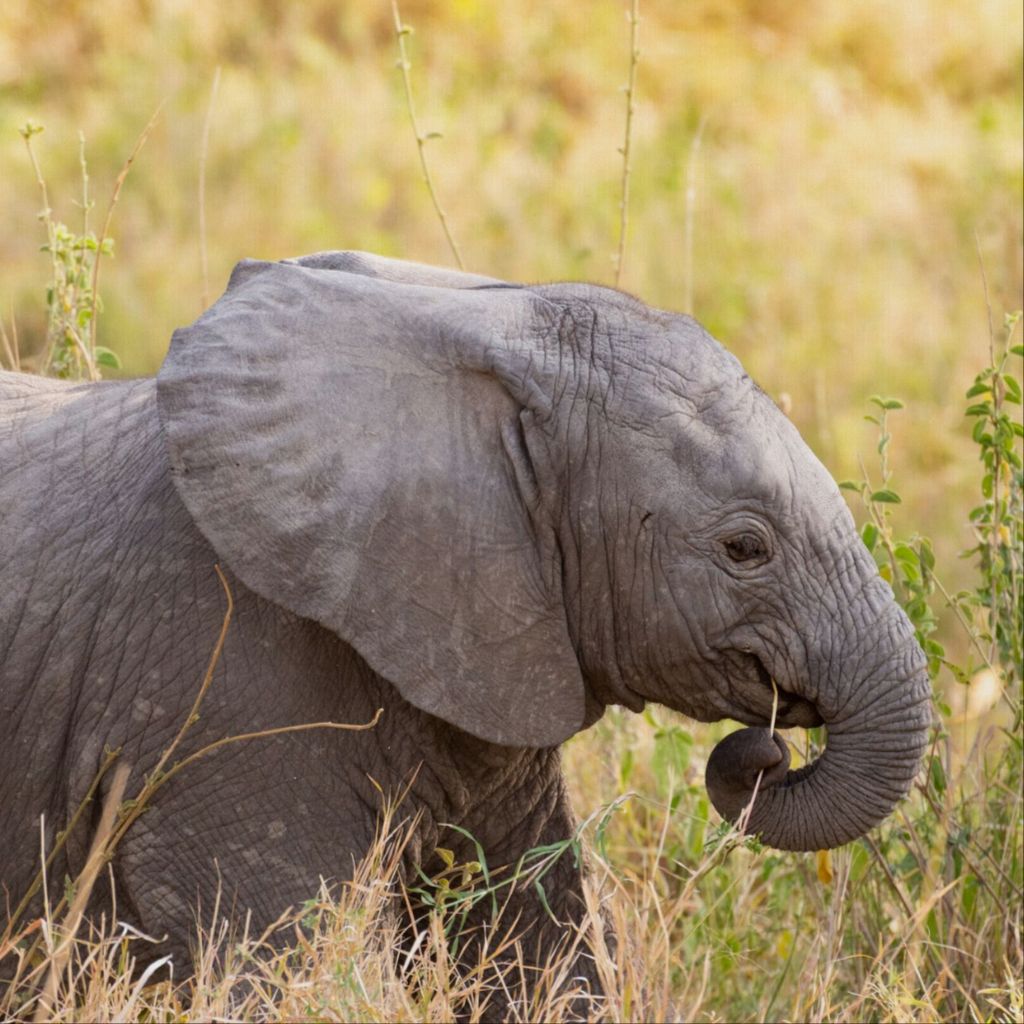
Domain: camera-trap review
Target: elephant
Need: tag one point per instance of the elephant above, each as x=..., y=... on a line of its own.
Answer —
x=491, y=510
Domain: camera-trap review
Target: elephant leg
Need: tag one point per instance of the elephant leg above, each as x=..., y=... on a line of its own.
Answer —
x=534, y=900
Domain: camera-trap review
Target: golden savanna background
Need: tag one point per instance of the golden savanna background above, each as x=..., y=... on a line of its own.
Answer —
x=854, y=160
x=833, y=189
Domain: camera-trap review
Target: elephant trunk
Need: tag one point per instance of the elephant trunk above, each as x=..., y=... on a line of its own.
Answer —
x=875, y=742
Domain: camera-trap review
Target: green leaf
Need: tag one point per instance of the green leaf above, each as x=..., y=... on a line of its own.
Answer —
x=886, y=497
x=105, y=357
x=849, y=485
x=905, y=553
x=543, y=897
x=981, y=388
x=1017, y=350
x=886, y=403
x=869, y=534
x=1012, y=389
x=978, y=410
x=926, y=555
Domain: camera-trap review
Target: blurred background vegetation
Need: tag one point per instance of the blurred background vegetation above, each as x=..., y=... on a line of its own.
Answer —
x=851, y=161
x=843, y=171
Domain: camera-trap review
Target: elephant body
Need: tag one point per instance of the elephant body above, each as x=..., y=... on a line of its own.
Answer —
x=490, y=511
x=267, y=819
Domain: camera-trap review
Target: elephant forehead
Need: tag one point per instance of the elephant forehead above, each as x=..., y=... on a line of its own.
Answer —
x=742, y=448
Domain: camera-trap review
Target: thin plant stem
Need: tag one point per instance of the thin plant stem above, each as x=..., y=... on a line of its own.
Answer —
x=626, y=148
x=115, y=195
x=218, y=647
x=688, y=223
x=992, y=540
x=10, y=342
x=744, y=818
x=204, y=149
x=263, y=733
x=87, y=354
x=83, y=890
x=988, y=302
x=401, y=31
x=129, y=811
x=46, y=215
x=62, y=837
x=86, y=202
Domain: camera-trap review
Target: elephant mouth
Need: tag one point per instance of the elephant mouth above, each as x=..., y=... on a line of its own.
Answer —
x=793, y=710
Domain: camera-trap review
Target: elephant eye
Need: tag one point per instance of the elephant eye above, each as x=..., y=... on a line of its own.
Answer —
x=746, y=547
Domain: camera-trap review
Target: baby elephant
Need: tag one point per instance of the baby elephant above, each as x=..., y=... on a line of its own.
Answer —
x=489, y=510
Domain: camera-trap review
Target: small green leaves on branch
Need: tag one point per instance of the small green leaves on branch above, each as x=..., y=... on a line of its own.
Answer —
x=906, y=565
x=71, y=298
x=998, y=522
x=886, y=404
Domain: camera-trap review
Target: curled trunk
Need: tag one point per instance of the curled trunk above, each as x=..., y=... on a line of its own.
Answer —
x=873, y=751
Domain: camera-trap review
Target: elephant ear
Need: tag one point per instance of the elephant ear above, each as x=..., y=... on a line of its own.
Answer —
x=342, y=439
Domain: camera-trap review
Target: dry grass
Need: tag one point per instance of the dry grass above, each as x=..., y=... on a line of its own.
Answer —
x=350, y=958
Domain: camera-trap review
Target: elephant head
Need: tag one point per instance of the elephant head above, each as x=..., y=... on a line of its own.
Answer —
x=522, y=504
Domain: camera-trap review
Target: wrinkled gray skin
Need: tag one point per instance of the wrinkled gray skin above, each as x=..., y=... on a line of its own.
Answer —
x=489, y=510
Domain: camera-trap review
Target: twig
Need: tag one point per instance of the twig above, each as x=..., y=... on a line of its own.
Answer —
x=83, y=890
x=86, y=203
x=263, y=733
x=634, y=56
x=988, y=303
x=46, y=215
x=128, y=814
x=203, y=151
x=193, y=714
x=61, y=839
x=744, y=818
x=158, y=777
x=401, y=31
x=891, y=878
x=129, y=811
x=110, y=213
x=688, y=223
x=87, y=352
x=992, y=540
x=10, y=346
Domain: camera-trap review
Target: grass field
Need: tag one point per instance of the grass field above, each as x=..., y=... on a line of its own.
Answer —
x=833, y=189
